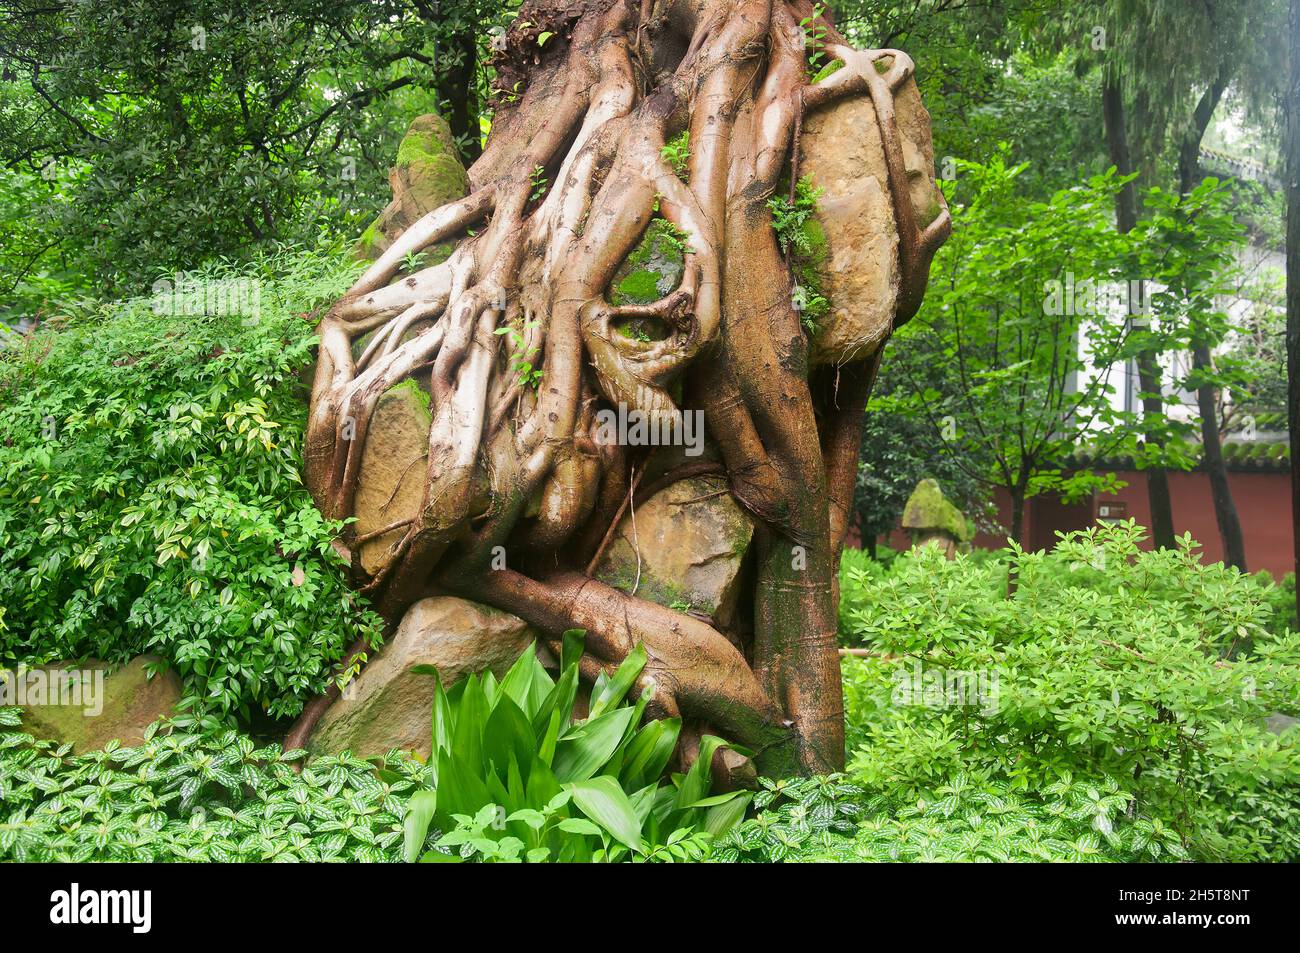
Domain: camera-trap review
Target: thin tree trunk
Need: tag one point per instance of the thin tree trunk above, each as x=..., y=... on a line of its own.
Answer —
x=1148, y=361
x=1017, y=534
x=1225, y=508
x=1018, y=516
x=456, y=81
x=1112, y=101
x=1293, y=269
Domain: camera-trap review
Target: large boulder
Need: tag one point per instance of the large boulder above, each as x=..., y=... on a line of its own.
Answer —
x=692, y=539
x=855, y=236
x=390, y=482
x=428, y=174
x=387, y=706
x=88, y=704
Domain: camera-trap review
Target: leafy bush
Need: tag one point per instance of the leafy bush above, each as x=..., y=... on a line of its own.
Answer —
x=194, y=797
x=829, y=819
x=1110, y=665
x=514, y=777
x=150, y=496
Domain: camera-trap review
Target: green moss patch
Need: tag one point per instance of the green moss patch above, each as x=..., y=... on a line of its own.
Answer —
x=653, y=269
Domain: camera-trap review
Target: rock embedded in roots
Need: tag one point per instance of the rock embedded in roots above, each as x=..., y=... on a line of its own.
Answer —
x=653, y=269
x=387, y=706
x=858, y=267
x=692, y=538
x=390, y=483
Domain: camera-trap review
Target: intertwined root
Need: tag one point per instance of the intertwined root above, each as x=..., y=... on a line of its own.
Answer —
x=618, y=82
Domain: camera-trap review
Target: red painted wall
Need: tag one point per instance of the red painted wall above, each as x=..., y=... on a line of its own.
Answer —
x=1263, y=505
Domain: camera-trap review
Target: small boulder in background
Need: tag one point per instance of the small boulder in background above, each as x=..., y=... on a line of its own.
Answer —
x=930, y=518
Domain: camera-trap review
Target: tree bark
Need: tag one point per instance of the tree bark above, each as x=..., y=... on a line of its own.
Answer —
x=1150, y=380
x=1018, y=503
x=570, y=178
x=1225, y=510
x=1018, y=516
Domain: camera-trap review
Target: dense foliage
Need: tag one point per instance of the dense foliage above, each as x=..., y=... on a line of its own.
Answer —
x=151, y=497
x=140, y=134
x=1145, y=673
x=832, y=819
x=185, y=796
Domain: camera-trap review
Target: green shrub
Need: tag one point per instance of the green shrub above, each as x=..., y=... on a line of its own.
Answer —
x=151, y=498
x=1110, y=665
x=515, y=778
x=195, y=797
x=829, y=819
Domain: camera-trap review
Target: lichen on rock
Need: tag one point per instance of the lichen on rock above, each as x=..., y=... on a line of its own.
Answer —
x=928, y=512
x=391, y=480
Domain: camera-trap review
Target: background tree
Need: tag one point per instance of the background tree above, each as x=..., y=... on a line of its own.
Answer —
x=1165, y=69
x=164, y=134
x=1014, y=295
x=1187, y=249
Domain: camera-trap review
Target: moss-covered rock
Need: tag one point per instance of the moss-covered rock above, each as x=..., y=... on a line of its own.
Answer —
x=88, y=705
x=653, y=269
x=929, y=512
x=428, y=174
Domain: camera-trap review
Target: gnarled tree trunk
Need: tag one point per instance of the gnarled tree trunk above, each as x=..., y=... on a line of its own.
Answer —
x=520, y=488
